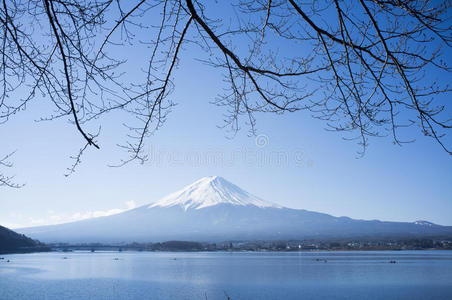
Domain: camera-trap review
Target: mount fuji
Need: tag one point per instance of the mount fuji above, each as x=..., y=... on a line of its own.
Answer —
x=213, y=209
x=211, y=191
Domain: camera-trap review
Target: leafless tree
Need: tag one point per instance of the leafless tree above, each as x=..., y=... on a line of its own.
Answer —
x=7, y=181
x=365, y=67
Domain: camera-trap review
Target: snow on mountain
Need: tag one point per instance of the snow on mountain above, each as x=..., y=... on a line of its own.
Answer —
x=213, y=209
x=424, y=223
x=210, y=191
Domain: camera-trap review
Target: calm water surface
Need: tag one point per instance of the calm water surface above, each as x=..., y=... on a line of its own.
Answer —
x=148, y=275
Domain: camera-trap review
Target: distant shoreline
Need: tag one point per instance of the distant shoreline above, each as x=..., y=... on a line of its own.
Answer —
x=28, y=250
x=219, y=251
x=265, y=246
x=261, y=246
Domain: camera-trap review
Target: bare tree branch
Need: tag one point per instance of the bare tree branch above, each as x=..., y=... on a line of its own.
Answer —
x=367, y=69
x=7, y=181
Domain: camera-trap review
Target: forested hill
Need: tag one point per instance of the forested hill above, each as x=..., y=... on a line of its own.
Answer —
x=12, y=242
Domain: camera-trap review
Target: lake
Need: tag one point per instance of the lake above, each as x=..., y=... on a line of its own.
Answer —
x=240, y=275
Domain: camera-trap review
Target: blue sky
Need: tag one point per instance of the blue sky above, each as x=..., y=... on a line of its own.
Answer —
x=317, y=170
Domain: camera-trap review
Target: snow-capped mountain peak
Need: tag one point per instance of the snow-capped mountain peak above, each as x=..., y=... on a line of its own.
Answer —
x=210, y=191
x=424, y=223
x=213, y=209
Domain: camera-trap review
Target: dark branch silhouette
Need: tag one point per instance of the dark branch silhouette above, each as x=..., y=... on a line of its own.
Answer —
x=367, y=68
x=7, y=181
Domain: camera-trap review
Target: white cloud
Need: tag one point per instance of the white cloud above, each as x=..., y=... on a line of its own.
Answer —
x=131, y=204
x=55, y=218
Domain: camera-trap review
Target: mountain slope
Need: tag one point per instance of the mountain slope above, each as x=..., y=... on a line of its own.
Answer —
x=12, y=242
x=210, y=191
x=213, y=209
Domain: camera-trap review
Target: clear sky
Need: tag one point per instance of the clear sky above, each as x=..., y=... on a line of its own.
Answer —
x=294, y=162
